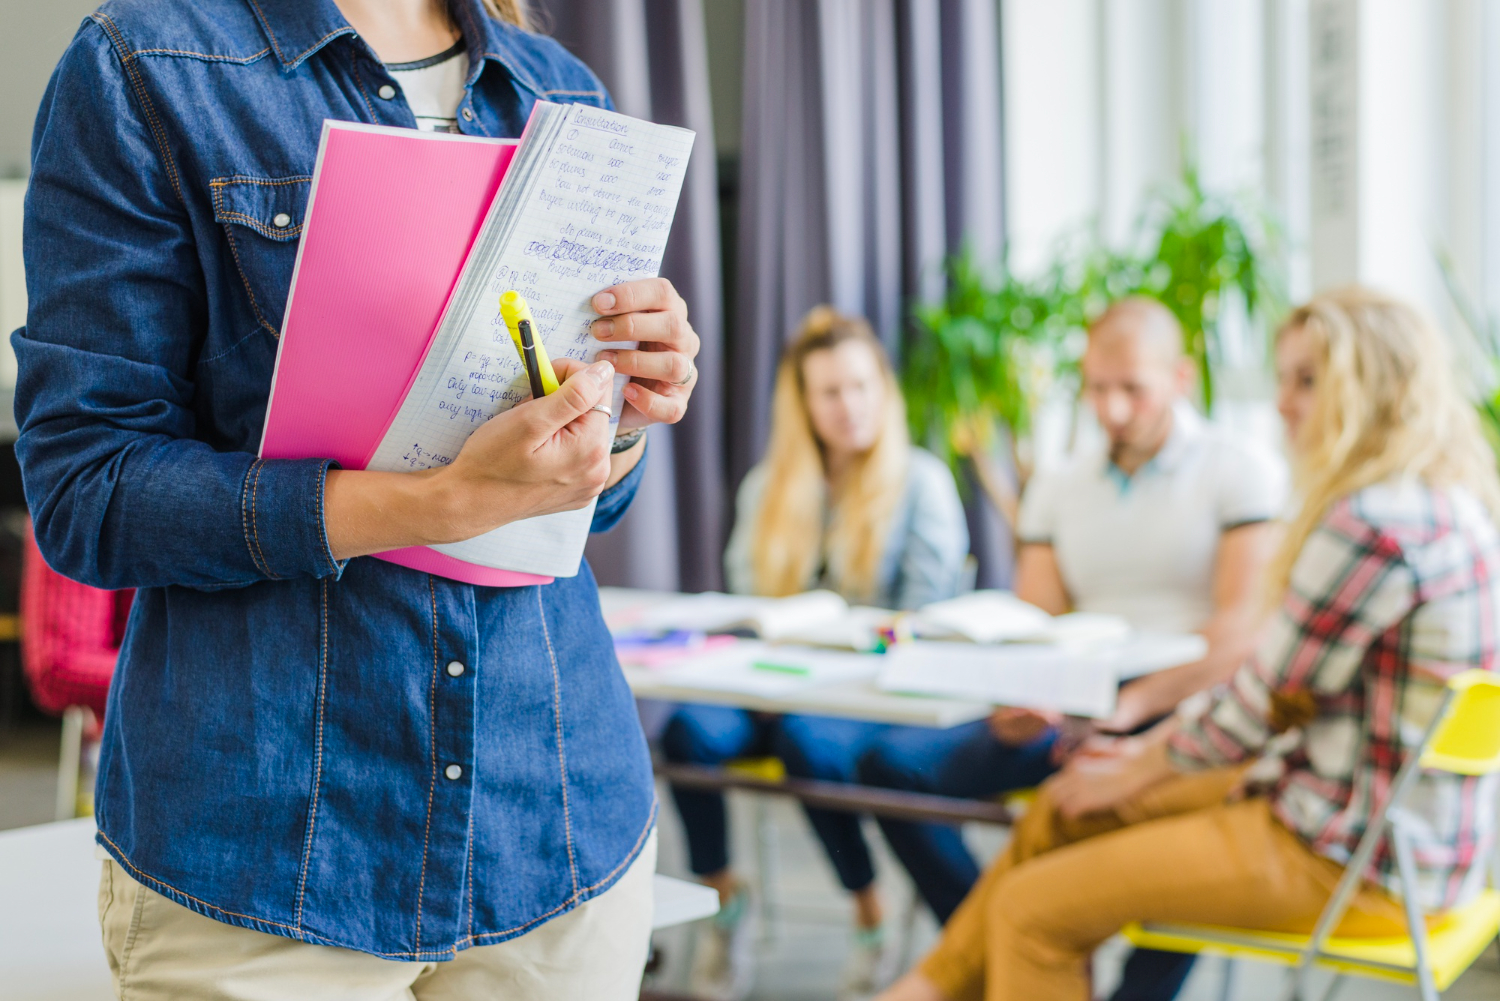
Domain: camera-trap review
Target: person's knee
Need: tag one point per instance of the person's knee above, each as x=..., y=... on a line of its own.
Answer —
x=1027, y=908
x=879, y=767
x=686, y=740
x=808, y=752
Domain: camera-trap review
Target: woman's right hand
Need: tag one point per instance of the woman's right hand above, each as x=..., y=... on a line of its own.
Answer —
x=539, y=457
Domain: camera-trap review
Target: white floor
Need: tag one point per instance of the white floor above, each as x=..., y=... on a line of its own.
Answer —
x=803, y=953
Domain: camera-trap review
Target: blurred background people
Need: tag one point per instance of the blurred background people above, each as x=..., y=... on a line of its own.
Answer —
x=1384, y=572
x=843, y=501
x=1167, y=524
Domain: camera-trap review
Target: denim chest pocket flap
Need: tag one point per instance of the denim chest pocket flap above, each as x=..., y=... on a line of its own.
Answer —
x=262, y=219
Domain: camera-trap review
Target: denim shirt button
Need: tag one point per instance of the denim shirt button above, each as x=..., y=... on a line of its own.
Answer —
x=282, y=220
x=455, y=668
x=468, y=114
x=454, y=772
x=386, y=92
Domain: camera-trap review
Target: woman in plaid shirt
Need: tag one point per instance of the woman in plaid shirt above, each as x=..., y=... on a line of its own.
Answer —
x=1385, y=584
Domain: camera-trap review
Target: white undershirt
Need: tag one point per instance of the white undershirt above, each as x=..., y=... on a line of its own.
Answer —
x=434, y=87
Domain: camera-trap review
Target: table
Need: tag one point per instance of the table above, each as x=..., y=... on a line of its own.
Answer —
x=849, y=700
x=50, y=947
x=859, y=699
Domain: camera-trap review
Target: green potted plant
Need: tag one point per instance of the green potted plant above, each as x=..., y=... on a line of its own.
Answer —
x=977, y=363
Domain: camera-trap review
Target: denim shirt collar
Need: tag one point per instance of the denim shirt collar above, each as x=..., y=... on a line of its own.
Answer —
x=296, y=29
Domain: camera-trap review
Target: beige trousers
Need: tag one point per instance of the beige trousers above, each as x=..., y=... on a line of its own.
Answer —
x=160, y=950
x=1176, y=852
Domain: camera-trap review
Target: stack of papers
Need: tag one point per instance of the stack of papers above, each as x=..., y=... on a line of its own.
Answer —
x=765, y=671
x=1037, y=676
x=817, y=618
x=587, y=203
x=1001, y=617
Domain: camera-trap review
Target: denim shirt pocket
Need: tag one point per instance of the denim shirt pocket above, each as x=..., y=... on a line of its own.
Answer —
x=262, y=219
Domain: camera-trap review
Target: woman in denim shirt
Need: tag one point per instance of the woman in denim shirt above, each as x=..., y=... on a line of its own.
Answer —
x=305, y=749
x=842, y=501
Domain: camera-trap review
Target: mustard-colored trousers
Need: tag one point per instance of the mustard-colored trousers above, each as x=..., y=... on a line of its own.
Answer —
x=1177, y=852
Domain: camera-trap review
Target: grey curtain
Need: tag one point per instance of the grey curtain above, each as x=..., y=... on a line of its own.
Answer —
x=652, y=55
x=871, y=149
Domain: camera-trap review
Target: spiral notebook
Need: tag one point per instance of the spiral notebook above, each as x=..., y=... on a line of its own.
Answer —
x=389, y=355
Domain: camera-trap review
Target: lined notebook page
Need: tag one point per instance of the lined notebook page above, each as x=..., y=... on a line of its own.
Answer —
x=588, y=203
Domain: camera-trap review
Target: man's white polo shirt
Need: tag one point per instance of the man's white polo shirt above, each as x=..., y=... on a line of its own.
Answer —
x=1144, y=546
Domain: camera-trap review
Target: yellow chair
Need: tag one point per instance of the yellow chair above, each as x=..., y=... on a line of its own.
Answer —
x=1463, y=738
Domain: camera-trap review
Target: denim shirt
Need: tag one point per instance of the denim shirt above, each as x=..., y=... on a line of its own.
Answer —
x=350, y=754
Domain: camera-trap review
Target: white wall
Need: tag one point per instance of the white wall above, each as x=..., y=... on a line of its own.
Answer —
x=1052, y=135
x=1369, y=128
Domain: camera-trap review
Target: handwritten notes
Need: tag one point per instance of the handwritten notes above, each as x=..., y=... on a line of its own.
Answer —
x=587, y=203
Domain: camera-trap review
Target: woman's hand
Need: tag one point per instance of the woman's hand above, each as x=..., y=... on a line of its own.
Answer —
x=661, y=365
x=1106, y=772
x=539, y=457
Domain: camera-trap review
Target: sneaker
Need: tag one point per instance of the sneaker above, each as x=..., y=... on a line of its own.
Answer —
x=724, y=952
x=870, y=968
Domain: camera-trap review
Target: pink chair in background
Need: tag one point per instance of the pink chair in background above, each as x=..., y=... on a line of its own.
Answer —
x=70, y=640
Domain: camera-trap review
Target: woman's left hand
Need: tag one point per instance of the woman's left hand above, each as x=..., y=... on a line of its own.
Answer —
x=661, y=365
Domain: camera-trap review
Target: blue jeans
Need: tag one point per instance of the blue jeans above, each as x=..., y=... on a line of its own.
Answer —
x=968, y=761
x=813, y=747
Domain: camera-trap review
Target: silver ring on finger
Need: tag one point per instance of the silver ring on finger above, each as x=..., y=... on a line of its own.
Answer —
x=692, y=374
x=602, y=409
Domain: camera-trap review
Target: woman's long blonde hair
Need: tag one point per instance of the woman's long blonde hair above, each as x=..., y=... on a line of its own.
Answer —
x=513, y=11
x=1387, y=405
x=791, y=509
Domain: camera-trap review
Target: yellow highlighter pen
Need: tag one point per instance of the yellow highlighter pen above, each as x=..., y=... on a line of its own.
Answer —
x=517, y=317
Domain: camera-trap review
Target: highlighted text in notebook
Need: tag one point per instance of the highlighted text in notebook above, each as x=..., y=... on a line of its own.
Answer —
x=517, y=317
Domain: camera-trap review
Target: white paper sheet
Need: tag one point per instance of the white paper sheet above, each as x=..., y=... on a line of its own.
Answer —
x=587, y=203
x=1031, y=676
x=783, y=670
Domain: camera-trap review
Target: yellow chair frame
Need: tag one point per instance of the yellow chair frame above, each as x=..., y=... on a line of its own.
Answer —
x=1463, y=738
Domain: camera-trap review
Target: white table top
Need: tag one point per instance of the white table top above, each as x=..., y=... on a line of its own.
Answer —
x=49, y=923
x=851, y=699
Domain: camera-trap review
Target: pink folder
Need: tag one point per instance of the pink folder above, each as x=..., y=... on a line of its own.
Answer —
x=389, y=223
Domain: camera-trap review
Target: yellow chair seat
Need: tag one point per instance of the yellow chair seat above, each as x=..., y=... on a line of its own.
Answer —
x=766, y=769
x=1454, y=940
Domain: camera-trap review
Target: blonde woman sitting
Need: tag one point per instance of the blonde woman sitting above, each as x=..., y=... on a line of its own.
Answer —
x=1387, y=586
x=842, y=501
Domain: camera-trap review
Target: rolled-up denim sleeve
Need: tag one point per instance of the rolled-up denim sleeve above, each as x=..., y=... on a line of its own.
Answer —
x=615, y=501
x=121, y=491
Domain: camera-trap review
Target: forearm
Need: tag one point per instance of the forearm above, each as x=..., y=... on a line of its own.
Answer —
x=1159, y=694
x=371, y=512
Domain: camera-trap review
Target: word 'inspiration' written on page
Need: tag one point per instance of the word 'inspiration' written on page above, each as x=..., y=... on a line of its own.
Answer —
x=587, y=203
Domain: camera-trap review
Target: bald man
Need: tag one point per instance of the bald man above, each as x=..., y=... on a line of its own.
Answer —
x=1168, y=524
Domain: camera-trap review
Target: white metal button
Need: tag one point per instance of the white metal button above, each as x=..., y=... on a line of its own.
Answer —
x=282, y=220
x=455, y=668
x=468, y=114
x=454, y=772
x=386, y=92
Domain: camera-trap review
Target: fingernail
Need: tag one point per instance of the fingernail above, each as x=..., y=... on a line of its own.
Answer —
x=631, y=391
x=609, y=356
x=601, y=372
x=604, y=301
x=603, y=329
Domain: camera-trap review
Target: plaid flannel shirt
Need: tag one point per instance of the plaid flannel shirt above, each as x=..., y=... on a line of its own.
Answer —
x=1393, y=593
